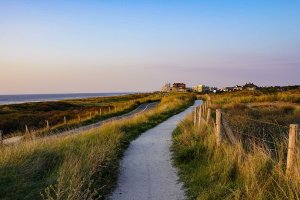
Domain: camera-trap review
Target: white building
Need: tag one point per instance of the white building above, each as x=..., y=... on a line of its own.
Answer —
x=166, y=88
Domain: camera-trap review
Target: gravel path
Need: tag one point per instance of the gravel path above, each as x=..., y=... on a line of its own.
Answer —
x=146, y=170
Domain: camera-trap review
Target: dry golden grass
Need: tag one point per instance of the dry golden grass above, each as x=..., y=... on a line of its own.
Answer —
x=84, y=166
x=230, y=172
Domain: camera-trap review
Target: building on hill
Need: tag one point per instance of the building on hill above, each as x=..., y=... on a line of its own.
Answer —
x=237, y=88
x=227, y=89
x=179, y=87
x=250, y=86
x=166, y=88
x=201, y=88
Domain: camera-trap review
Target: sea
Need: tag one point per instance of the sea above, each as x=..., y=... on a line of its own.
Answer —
x=24, y=98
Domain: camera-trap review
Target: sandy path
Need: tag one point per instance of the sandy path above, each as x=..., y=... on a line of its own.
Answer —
x=146, y=169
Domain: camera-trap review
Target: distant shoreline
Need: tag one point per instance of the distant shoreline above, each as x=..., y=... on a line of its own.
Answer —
x=32, y=98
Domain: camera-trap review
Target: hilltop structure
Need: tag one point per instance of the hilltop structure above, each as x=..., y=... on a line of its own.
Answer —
x=166, y=88
x=201, y=88
x=250, y=86
x=177, y=87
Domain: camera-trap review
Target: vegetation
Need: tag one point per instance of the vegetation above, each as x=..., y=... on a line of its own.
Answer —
x=77, y=167
x=13, y=118
x=230, y=172
x=255, y=167
x=291, y=96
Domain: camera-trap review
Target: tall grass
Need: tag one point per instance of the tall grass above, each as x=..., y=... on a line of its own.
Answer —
x=292, y=96
x=230, y=172
x=77, y=167
x=13, y=118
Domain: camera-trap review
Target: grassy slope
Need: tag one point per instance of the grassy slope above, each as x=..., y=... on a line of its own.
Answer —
x=231, y=172
x=80, y=167
x=14, y=117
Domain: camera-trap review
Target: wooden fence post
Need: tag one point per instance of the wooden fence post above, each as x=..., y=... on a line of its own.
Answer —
x=65, y=120
x=79, y=119
x=26, y=129
x=199, y=116
x=291, y=148
x=47, y=124
x=109, y=109
x=100, y=111
x=218, y=126
x=208, y=115
x=195, y=116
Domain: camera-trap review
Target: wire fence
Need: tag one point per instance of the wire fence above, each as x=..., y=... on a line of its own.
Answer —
x=269, y=135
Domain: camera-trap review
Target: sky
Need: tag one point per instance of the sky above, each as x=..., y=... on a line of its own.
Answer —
x=127, y=46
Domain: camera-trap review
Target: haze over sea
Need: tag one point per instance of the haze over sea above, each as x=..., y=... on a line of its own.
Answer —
x=23, y=98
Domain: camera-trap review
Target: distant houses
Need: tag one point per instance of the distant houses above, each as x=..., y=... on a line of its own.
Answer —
x=181, y=87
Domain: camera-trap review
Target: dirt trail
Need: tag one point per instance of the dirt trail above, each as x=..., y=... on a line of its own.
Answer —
x=146, y=170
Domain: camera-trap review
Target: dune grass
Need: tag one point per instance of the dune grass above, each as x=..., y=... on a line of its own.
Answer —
x=13, y=118
x=230, y=172
x=292, y=96
x=255, y=167
x=77, y=167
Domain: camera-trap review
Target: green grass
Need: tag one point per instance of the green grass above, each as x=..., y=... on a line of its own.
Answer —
x=77, y=167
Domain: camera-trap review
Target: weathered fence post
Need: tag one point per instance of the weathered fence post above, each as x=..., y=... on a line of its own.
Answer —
x=28, y=133
x=79, y=119
x=208, y=115
x=195, y=116
x=100, y=111
x=109, y=109
x=218, y=126
x=47, y=124
x=65, y=120
x=26, y=129
x=291, y=148
x=199, y=116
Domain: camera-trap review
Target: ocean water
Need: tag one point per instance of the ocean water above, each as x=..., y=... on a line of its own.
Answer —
x=23, y=98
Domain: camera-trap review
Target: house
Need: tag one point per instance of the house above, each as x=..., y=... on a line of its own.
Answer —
x=166, y=88
x=201, y=88
x=237, y=88
x=227, y=89
x=250, y=86
x=179, y=87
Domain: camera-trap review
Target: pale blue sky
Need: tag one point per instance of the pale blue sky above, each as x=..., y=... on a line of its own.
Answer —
x=111, y=46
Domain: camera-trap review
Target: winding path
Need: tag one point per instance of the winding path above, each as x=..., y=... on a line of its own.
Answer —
x=141, y=108
x=146, y=170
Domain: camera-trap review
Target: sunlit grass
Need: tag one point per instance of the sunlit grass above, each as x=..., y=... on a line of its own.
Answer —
x=230, y=172
x=77, y=167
